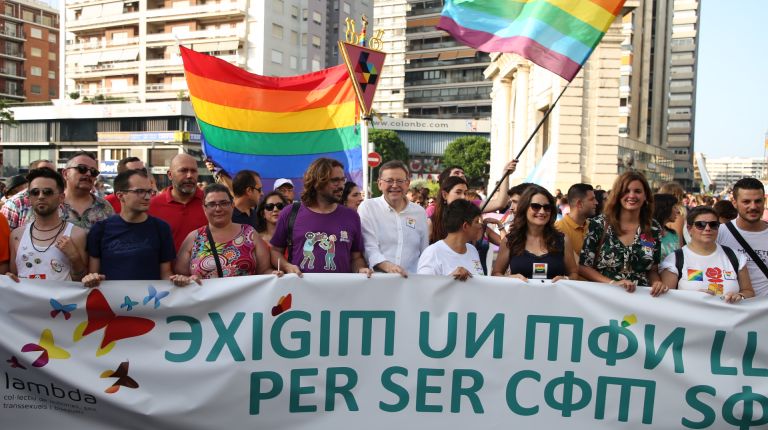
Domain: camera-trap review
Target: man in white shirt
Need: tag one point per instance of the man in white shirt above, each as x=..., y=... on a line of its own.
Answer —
x=394, y=229
x=749, y=199
x=453, y=256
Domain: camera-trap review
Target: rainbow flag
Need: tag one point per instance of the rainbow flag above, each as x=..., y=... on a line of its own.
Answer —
x=274, y=125
x=558, y=35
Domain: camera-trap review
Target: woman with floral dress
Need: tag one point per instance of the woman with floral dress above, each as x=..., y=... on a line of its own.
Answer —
x=623, y=245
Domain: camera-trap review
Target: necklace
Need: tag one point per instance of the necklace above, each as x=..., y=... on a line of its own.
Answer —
x=44, y=230
x=52, y=239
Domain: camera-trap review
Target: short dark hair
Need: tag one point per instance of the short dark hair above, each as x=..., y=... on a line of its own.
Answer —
x=459, y=212
x=446, y=173
x=747, y=184
x=121, y=164
x=698, y=211
x=663, y=207
x=578, y=192
x=122, y=180
x=81, y=154
x=46, y=173
x=725, y=209
x=395, y=164
x=243, y=180
x=216, y=188
x=348, y=186
x=519, y=189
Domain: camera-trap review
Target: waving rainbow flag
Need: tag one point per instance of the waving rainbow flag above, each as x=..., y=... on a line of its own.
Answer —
x=274, y=125
x=558, y=35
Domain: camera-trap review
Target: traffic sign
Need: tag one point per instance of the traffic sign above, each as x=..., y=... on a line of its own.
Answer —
x=374, y=159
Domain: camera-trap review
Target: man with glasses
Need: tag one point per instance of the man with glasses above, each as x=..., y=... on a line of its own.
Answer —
x=323, y=235
x=128, y=163
x=181, y=204
x=394, y=230
x=82, y=206
x=48, y=247
x=246, y=186
x=131, y=245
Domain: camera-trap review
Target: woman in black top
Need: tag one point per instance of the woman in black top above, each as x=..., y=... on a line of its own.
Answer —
x=534, y=249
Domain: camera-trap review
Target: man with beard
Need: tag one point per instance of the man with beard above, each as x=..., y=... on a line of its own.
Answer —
x=748, y=233
x=18, y=209
x=323, y=236
x=181, y=204
x=48, y=247
x=82, y=207
x=581, y=199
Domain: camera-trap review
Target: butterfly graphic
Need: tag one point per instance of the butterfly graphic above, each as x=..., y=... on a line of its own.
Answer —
x=282, y=305
x=47, y=349
x=64, y=309
x=154, y=294
x=15, y=363
x=629, y=320
x=123, y=380
x=101, y=316
x=128, y=304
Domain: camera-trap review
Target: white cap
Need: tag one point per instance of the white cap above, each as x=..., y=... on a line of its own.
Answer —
x=282, y=181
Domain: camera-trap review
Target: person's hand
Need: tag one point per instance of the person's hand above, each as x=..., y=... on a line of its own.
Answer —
x=518, y=276
x=733, y=297
x=13, y=276
x=560, y=278
x=210, y=166
x=93, y=280
x=183, y=280
x=494, y=221
x=461, y=274
x=367, y=271
x=628, y=285
x=658, y=288
x=67, y=247
x=278, y=273
x=511, y=166
x=389, y=267
x=292, y=268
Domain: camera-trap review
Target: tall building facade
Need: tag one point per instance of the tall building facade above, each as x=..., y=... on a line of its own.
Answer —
x=725, y=171
x=29, y=51
x=390, y=17
x=128, y=49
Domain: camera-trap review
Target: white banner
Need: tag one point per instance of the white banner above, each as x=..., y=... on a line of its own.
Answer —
x=342, y=351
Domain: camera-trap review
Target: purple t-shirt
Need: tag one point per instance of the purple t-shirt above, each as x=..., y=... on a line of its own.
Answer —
x=322, y=243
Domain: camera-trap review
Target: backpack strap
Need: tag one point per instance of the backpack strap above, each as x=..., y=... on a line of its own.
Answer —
x=733, y=259
x=291, y=222
x=748, y=249
x=679, y=263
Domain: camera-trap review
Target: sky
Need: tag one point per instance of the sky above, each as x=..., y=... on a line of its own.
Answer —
x=732, y=81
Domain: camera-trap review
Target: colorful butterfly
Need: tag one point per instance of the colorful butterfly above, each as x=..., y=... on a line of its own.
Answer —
x=64, y=309
x=123, y=380
x=128, y=304
x=154, y=294
x=101, y=316
x=629, y=320
x=282, y=305
x=15, y=363
x=47, y=349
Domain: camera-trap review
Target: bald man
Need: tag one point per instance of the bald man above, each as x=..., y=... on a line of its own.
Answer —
x=181, y=204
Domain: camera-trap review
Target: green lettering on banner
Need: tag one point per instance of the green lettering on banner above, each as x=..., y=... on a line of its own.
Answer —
x=257, y=335
x=325, y=333
x=297, y=390
x=226, y=336
x=554, y=335
x=611, y=352
x=494, y=328
x=567, y=405
x=749, y=358
x=708, y=414
x=257, y=395
x=303, y=336
x=422, y=389
x=512, y=384
x=194, y=336
x=458, y=390
x=717, y=352
x=390, y=385
x=367, y=317
x=625, y=395
x=450, y=342
x=747, y=419
x=653, y=357
x=332, y=388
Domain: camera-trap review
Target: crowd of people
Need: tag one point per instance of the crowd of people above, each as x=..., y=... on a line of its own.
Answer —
x=60, y=228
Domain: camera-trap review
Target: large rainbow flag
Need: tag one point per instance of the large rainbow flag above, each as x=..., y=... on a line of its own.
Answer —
x=274, y=125
x=558, y=35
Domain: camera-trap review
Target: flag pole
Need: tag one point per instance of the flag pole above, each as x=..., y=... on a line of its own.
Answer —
x=365, y=151
x=530, y=138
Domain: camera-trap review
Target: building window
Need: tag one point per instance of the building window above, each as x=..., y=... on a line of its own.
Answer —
x=315, y=65
x=317, y=17
x=36, y=33
x=36, y=71
x=51, y=74
x=347, y=8
x=295, y=12
x=294, y=38
x=36, y=52
x=52, y=92
x=316, y=42
x=277, y=56
x=277, y=31
x=35, y=89
x=277, y=6
x=28, y=15
x=52, y=56
x=52, y=37
x=294, y=62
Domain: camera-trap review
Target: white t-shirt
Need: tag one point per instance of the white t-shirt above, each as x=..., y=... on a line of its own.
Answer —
x=758, y=240
x=440, y=259
x=712, y=272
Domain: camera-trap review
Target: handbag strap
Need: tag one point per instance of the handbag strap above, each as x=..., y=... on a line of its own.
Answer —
x=748, y=249
x=213, y=251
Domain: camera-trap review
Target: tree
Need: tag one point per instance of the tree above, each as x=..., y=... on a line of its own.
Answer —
x=472, y=153
x=390, y=146
x=6, y=115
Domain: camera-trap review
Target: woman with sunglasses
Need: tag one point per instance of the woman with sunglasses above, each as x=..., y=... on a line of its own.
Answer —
x=268, y=213
x=623, y=244
x=534, y=249
x=704, y=265
x=351, y=197
x=222, y=248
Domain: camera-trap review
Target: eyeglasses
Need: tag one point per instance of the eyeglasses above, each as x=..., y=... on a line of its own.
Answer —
x=46, y=192
x=272, y=206
x=141, y=192
x=390, y=181
x=701, y=225
x=83, y=169
x=536, y=207
x=224, y=204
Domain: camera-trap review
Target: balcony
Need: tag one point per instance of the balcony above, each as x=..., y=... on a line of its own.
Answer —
x=199, y=12
x=13, y=34
x=13, y=74
x=224, y=33
x=130, y=90
x=100, y=44
x=102, y=69
x=82, y=24
x=13, y=54
x=165, y=91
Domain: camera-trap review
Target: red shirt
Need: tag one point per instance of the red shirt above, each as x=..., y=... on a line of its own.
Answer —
x=115, y=202
x=183, y=218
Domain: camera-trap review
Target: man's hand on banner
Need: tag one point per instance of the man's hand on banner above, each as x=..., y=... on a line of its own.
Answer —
x=93, y=280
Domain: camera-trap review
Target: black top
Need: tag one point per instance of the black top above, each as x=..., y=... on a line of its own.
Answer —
x=242, y=218
x=545, y=266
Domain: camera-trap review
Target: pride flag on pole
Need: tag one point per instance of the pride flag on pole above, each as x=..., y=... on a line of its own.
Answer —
x=274, y=125
x=558, y=35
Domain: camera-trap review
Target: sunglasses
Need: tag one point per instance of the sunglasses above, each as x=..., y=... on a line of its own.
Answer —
x=46, y=192
x=701, y=225
x=536, y=207
x=272, y=206
x=83, y=169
